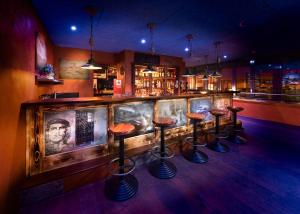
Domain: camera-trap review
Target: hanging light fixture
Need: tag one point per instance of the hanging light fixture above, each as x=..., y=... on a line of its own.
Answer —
x=216, y=73
x=189, y=38
x=150, y=68
x=188, y=71
x=205, y=76
x=91, y=64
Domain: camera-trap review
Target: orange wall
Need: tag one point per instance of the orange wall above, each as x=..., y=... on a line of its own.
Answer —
x=264, y=110
x=18, y=25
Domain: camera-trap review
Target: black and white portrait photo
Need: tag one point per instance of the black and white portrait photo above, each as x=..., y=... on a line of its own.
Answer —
x=72, y=129
x=59, y=132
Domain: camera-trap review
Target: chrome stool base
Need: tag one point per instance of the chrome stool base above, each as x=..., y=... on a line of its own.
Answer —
x=236, y=139
x=121, y=188
x=218, y=147
x=162, y=169
x=195, y=156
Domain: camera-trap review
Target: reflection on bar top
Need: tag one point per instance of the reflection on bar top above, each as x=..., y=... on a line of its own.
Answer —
x=116, y=99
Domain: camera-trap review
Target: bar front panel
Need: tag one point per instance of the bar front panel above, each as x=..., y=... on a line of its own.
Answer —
x=62, y=135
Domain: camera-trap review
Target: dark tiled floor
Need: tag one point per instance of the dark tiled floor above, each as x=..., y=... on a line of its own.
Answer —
x=260, y=177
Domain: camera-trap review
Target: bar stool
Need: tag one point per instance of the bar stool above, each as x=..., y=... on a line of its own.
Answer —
x=216, y=145
x=161, y=167
x=235, y=138
x=195, y=155
x=122, y=185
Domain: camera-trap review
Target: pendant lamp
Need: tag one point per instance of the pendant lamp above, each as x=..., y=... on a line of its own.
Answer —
x=91, y=64
x=205, y=76
x=216, y=73
x=150, y=69
x=188, y=71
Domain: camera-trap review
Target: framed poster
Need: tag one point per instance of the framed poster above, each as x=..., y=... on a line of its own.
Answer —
x=71, y=69
x=40, y=52
x=73, y=129
x=202, y=105
x=222, y=102
x=68, y=135
x=175, y=109
x=139, y=114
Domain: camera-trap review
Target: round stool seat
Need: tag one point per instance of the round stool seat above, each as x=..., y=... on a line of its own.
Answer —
x=163, y=121
x=196, y=116
x=122, y=129
x=235, y=108
x=218, y=112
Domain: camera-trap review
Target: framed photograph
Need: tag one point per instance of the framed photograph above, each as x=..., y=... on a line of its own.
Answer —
x=59, y=132
x=71, y=69
x=222, y=102
x=68, y=135
x=40, y=52
x=175, y=109
x=140, y=114
x=202, y=105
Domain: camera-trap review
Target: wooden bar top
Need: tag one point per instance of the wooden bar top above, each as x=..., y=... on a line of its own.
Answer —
x=115, y=99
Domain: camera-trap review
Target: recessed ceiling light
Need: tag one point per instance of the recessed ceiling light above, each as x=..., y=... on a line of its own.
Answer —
x=186, y=49
x=143, y=41
x=73, y=28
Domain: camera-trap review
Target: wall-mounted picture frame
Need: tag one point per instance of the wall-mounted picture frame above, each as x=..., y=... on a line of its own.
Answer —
x=67, y=136
x=175, y=109
x=71, y=69
x=40, y=52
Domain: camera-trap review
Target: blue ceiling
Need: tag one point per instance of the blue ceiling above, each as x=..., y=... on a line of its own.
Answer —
x=244, y=26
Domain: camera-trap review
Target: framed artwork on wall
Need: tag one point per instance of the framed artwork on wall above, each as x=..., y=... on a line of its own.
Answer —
x=68, y=136
x=71, y=69
x=40, y=52
x=44, y=71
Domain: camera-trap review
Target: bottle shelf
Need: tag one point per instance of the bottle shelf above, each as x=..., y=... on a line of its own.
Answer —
x=162, y=82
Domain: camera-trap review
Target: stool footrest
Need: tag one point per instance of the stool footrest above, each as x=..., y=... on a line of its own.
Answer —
x=237, y=129
x=190, y=140
x=127, y=168
x=162, y=169
x=121, y=188
x=167, y=155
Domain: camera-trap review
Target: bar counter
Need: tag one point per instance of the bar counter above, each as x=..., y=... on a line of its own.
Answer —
x=117, y=99
x=82, y=124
